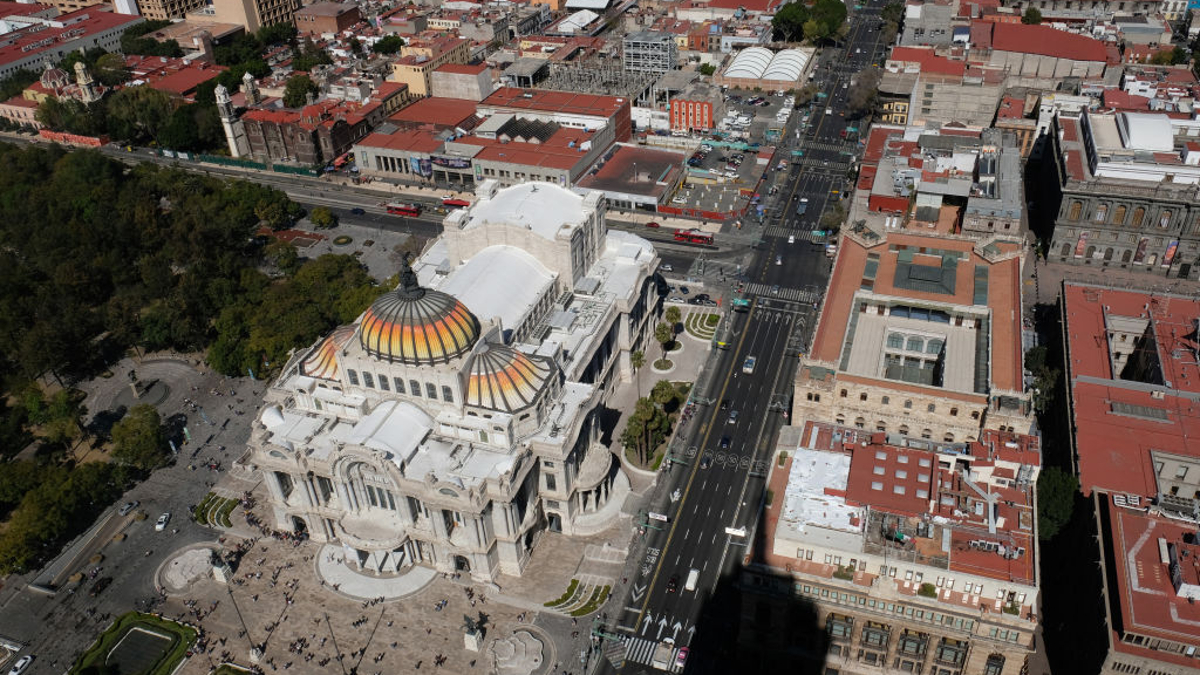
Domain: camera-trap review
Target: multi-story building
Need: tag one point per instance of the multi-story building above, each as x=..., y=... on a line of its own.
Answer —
x=420, y=57
x=919, y=337
x=929, y=23
x=36, y=37
x=698, y=106
x=327, y=17
x=1129, y=190
x=1134, y=381
x=956, y=181
x=456, y=80
x=255, y=14
x=421, y=434
x=938, y=90
x=524, y=135
x=159, y=10
x=915, y=556
x=649, y=52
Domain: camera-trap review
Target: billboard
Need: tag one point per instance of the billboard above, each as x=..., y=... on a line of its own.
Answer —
x=451, y=162
x=1081, y=244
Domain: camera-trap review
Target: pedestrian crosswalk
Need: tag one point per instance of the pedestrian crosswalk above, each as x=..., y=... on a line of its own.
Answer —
x=795, y=294
x=823, y=145
x=799, y=234
x=641, y=650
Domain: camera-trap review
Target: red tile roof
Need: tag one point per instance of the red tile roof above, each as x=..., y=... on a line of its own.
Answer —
x=1044, y=40
x=20, y=44
x=555, y=101
x=930, y=62
x=436, y=110
x=462, y=68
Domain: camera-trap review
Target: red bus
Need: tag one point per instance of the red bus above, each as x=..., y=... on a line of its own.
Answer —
x=454, y=203
x=694, y=236
x=404, y=210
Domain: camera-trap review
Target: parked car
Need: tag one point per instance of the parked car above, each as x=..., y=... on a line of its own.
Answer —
x=21, y=665
x=652, y=224
x=357, y=211
x=127, y=507
x=161, y=523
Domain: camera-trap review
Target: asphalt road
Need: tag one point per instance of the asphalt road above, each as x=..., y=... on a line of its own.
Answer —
x=713, y=511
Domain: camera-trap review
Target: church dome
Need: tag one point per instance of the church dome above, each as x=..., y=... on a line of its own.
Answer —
x=505, y=379
x=415, y=325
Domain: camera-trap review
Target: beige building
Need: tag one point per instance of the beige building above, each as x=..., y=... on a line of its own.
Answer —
x=254, y=14
x=419, y=58
x=166, y=10
x=458, y=418
x=919, y=336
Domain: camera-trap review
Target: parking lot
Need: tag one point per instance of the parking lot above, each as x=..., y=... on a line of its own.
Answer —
x=725, y=162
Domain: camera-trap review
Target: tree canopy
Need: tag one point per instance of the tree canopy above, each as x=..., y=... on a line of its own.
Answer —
x=138, y=439
x=295, y=94
x=1032, y=16
x=388, y=45
x=821, y=20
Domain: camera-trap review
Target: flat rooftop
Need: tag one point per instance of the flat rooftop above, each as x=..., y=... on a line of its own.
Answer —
x=934, y=288
x=635, y=170
x=1150, y=604
x=1135, y=383
x=937, y=495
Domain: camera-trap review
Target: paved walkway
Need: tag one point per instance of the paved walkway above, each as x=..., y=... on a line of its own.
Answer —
x=332, y=569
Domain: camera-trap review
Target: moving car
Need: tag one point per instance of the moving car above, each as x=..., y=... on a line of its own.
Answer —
x=705, y=462
x=748, y=365
x=725, y=441
x=21, y=665
x=127, y=507
x=161, y=523
x=733, y=415
x=681, y=658
x=357, y=211
x=673, y=583
x=652, y=224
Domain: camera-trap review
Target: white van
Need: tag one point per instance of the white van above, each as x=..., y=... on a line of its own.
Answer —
x=693, y=578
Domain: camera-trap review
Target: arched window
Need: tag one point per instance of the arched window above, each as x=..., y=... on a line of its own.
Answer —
x=1076, y=210
x=1165, y=219
x=1101, y=213
x=1066, y=250
x=860, y=422
x=948, y=438
x=1091, y=250
x=903, y=429
x=841, y=420
x=1125, y=257
x=926, y=433
x=1139, y=214
x=1119, y=215
x=1108, y=254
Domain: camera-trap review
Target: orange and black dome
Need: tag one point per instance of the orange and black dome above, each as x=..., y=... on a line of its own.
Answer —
x=415, y=325
x=503, y=378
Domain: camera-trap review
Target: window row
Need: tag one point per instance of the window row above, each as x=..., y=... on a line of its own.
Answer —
x=1120, y=215
x=412, y=389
